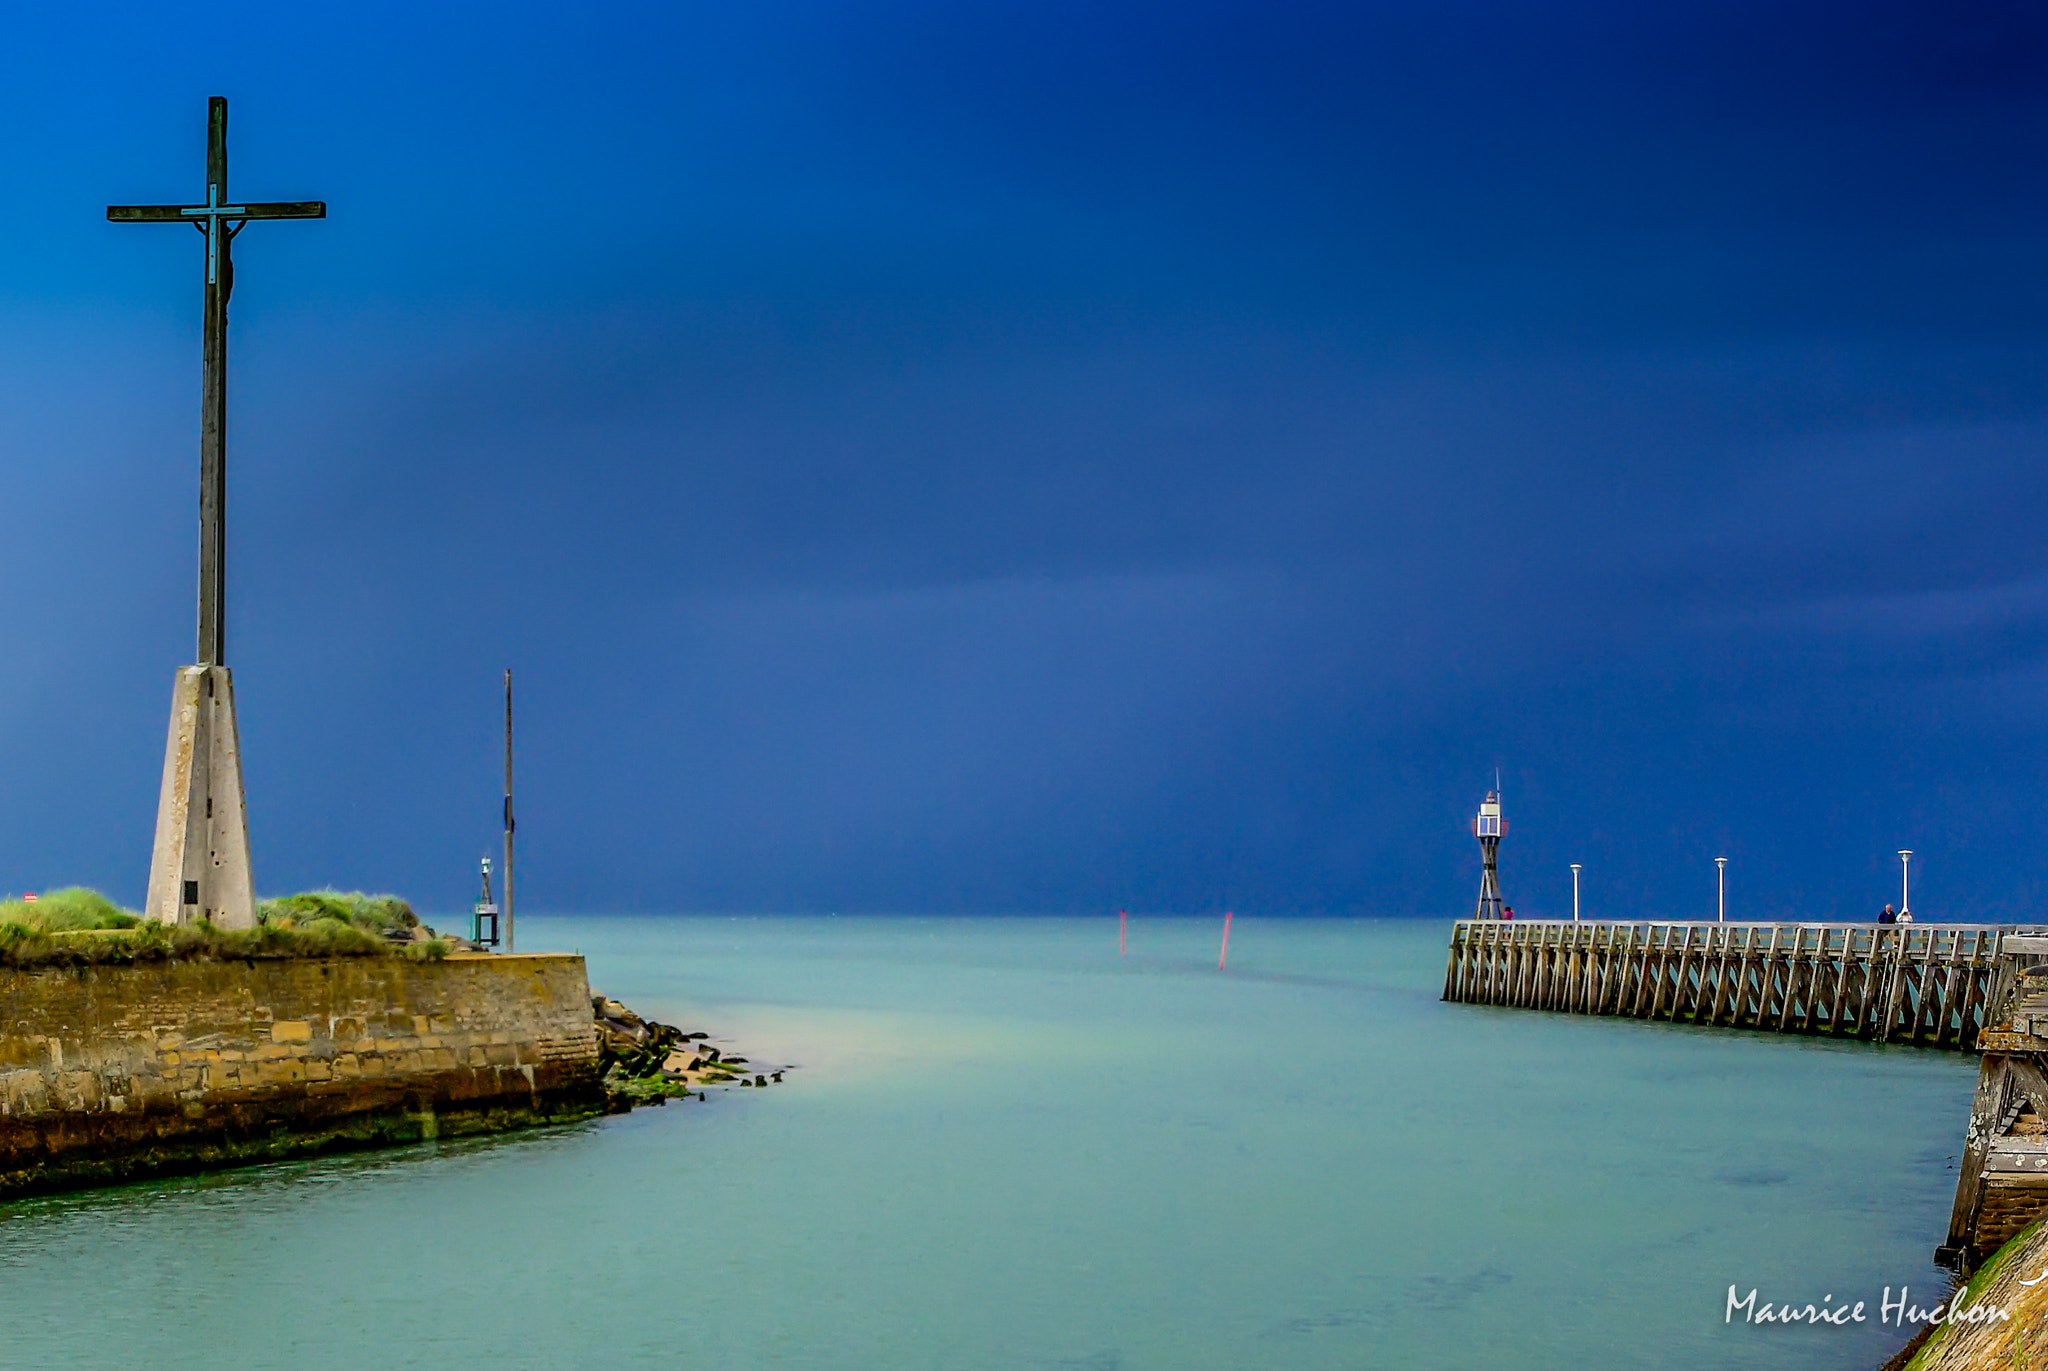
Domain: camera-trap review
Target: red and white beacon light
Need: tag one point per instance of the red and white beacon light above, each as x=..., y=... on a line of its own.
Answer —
x=1488, y=828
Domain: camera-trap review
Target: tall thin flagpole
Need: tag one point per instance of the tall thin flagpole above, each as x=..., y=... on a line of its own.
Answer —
x=509, y=945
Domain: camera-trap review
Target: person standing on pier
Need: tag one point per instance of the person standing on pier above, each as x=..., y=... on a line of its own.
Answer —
x=1886, y=916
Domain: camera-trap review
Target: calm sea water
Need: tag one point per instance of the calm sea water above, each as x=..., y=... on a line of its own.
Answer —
x=1006, y=1147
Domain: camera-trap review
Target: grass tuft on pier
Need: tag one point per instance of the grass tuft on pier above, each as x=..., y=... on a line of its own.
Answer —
x=70, y=910
x=80, y=927
x=382, y=914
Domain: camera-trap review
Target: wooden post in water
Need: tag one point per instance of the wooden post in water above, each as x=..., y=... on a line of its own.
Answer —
x=1847, y=980
x=1224, y=956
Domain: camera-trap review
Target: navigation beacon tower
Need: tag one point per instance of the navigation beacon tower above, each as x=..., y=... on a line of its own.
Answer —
x=1488, y=827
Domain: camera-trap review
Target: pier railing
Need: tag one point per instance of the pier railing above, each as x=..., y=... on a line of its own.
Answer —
x=1910, y=983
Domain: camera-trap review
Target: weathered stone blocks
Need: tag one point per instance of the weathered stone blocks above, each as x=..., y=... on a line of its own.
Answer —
x=108, y=1072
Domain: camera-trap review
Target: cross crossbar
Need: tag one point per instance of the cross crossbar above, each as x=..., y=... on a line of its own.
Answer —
x=182, y=214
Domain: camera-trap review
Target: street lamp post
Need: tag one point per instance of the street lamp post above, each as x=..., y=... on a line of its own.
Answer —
x=1721, y=878
x=1905, y=883
x=1575, y=892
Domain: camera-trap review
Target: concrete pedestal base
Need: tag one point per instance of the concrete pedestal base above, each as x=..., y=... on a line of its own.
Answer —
x=200, y=865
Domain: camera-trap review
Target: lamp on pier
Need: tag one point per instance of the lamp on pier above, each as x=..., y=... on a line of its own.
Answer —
x=1905, y=882
x=1721, y=881
x=1575, y=892
x=483, y=920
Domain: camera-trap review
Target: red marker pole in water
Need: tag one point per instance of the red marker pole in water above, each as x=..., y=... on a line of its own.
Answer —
x=1123, y=920
x=1225, y=955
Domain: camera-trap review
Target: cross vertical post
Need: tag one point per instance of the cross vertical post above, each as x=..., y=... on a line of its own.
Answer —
x=219, y=221
x=213, y=399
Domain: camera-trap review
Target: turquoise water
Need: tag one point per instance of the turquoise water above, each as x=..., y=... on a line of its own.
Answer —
x=1006, y=1147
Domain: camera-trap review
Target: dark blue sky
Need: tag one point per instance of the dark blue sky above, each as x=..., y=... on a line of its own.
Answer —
x=1054, y=456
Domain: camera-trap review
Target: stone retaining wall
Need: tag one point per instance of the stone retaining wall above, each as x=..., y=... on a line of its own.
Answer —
x=2010, y=1203
x=110, y=1072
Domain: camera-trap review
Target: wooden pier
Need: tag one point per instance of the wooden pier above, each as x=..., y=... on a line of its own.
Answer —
x=1928, y=983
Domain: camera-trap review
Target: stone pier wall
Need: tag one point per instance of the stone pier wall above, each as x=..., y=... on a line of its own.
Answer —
x=111, y=1072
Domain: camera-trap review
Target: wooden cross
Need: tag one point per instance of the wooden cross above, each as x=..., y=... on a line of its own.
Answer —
x=219, y=220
